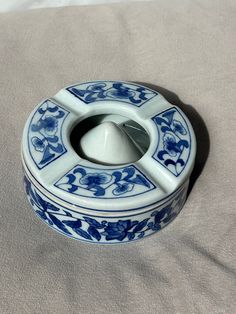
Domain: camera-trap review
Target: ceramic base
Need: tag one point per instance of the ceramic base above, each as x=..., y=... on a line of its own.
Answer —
x=105, y=230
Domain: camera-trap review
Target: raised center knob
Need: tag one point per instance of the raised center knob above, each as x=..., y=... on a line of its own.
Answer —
x=108, y=143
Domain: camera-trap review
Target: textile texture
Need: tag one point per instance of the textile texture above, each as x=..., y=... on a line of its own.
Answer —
x=184, y=49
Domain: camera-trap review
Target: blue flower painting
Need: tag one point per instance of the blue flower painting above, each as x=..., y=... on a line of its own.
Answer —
x=123, y=188
x=105, y=183
x=174, y=143
x=110, y=90
x=38, y=144
x=44, y=136
x=170, y=144
x=87, y=228
x=92, y=179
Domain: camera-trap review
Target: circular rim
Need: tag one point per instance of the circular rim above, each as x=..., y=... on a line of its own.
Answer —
x=147, y=181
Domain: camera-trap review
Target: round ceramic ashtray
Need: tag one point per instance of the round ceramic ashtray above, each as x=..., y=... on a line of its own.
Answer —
x=107, y=161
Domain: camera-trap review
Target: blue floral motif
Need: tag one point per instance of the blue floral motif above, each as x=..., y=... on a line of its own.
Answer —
x=170, y=144
x=165, y=215
x=121, y=92
x=44, y=209
x=123, y=188
x=174, y=144
x=110, y=90
x=49, y=124
x=118, y=230
x=91, y=179
x=178, y=127
x=44, y=136
x=38, y=144
x=86, y=228
x=105, y=183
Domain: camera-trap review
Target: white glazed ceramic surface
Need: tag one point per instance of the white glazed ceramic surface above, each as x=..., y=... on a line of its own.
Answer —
x=111, y=195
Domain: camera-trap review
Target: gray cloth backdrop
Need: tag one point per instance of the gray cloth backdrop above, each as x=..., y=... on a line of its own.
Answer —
x=185, y=49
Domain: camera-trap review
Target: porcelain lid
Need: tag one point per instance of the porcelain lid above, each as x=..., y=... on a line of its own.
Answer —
x=49, y=157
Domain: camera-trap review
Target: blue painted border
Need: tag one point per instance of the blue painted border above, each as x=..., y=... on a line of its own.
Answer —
x=117, y=218
x=28, y=132
x=86, y=167
x=190, y=140
x=118, y=100
x=98, y=242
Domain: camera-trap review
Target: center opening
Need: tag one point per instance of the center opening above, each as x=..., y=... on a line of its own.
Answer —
x=109, y=139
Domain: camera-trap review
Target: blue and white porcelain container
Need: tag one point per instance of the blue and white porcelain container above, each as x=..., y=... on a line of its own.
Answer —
x=107, y=161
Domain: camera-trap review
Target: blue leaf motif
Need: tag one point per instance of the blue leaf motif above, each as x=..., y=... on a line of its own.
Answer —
x=130, y=172
x=94, y=223
x=83, y=233
x=52, y=207
x=47, y=156
x=79, y=92
x=169, y=217
x=141, y=225
x=71, y=178
x=36, y=127
x=169, y=115
x=117, y=175
x=92, y=97
x=131, y=235
x=135, y=101
x=178, y=127
x=159, y=215
x=169, y=162
x=133, y=223
x=60, y=114
x=33, y=198
x=73, y=224
x=67, y=213
x=94, y=233
x=140, y=180
x=99, y=191
x=80, y=170
x=72, y=187
x=142, y=92
x=161, y=154
x=58, y=223
x=41, y=214
x=180, y=161
x=53, y=139
x=165, y=129
x=150, y=224
x=141, y=235
x=159, y=121
x=183, y=143
x=40, y=201
x=41, y=111
x=52, y=109
x=57, y=149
